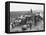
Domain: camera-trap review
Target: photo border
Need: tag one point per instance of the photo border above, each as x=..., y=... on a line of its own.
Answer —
x=7, y=16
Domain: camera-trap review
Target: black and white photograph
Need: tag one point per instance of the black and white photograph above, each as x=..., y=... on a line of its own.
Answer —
x=26, y=17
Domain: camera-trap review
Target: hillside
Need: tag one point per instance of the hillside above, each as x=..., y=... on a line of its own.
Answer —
x=15, y=14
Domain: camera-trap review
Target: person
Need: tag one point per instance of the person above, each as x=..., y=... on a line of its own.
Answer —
x=13, y=25
x=23, y=21
x=37, y=19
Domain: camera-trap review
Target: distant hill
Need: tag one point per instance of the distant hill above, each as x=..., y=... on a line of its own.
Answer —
x=16, y=14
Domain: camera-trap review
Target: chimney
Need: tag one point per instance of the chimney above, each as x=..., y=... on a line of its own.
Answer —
x=31, y=10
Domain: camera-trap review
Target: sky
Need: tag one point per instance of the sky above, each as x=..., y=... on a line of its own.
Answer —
x=25, y=7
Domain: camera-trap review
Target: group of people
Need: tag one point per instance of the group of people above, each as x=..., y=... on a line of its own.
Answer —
x=27, y=22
